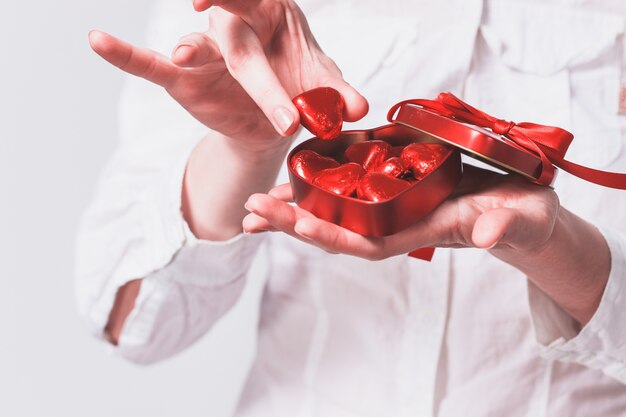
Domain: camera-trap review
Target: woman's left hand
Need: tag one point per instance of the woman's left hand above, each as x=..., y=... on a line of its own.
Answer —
x=520, y=223
x=488, y=210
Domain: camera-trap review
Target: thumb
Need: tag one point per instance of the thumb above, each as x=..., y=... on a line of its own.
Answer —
x=516, y=228
x=501, y=225
x=492, y=225
x=356, y=105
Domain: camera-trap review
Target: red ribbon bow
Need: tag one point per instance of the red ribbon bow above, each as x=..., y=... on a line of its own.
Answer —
x=548, y=142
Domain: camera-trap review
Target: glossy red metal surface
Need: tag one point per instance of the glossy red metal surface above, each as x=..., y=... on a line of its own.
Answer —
x=472, y=140
x=376, y=218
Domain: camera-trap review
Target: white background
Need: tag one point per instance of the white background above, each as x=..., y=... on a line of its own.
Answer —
x=57, y=128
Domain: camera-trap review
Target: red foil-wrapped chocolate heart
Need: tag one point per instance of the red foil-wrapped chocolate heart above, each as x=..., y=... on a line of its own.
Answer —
x=439, y=149
x=379, y=187
x=369, y=154
x=341, y=180
x=309, y=163
x=321, y=111
x=392, y=167
x=423, y=158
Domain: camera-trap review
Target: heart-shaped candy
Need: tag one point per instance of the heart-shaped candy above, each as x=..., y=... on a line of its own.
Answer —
x=308, y=163
x=341, y=180
x=438, y=149
x=379, y=187
x=321, y=111
x=392, y=167
x=369, y=153
x=423, y=158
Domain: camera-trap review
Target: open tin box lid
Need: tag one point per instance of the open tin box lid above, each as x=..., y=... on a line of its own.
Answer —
x=528, y=149
x=479, y=143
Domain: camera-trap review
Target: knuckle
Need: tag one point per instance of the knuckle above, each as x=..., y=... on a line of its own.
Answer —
x=334, y=242
x=239, y=59
x=149, y=68
x=376, y=253
x=127, y=60
x=457, y=234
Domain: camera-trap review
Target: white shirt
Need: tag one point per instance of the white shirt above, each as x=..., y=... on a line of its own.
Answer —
x=464, y=335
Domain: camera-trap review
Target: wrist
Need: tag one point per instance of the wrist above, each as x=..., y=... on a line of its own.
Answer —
x=252, y=152
x=571, y=267
x=221, y=174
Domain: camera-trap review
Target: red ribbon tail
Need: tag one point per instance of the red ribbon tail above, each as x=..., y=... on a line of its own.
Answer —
x=425, y=254
x=608, y=179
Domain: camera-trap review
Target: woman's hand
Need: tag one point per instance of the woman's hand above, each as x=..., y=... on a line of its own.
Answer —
x=488, y=210
x=519, y=222
x=238, y=78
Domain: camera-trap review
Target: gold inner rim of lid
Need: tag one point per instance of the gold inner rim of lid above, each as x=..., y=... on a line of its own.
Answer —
x=498, y=164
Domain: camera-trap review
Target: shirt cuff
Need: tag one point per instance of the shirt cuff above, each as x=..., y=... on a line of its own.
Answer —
x=601, y=343
x=195, y=261
x=211, y=263
x=168, y=252
x=215, y=269
x=181, y=256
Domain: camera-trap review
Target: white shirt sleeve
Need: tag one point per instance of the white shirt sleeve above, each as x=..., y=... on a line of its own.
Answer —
x=601, y=343
x=180, y=302
x=134, y=229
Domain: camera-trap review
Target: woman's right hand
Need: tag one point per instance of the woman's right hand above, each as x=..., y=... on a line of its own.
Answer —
x=238, y=77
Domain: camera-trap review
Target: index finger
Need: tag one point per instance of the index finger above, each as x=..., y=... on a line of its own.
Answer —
x=142, y=62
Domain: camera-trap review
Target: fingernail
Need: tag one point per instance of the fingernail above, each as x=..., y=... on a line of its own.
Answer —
x=495, y=243
x=94, y=36
x=247, y=207
x=283, y=119
x=254, y=232
x=183, y=53
x=300, y=232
